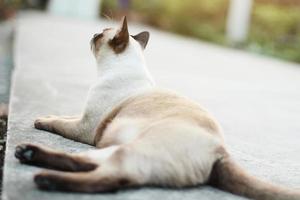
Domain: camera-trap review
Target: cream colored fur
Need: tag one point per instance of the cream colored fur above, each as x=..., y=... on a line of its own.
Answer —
x=119, y=77
x=145, y=135
x=159, y=149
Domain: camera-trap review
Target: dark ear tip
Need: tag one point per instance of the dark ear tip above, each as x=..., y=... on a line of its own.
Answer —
x=124, y=20
x=142, y=38
x=147, y=33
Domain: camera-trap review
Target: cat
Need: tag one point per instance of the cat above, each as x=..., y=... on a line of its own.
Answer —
x=145, y=136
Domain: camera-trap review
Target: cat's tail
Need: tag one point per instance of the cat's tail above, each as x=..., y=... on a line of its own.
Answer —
x=229, y=176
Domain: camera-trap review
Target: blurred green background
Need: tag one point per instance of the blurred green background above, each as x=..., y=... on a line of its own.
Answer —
x=274, y=29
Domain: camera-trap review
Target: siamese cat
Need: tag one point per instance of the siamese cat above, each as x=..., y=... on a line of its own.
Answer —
x=144, y=135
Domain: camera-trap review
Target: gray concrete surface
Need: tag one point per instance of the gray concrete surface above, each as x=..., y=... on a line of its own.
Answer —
x=6, y=60
x=256, y=99
x=6, y=66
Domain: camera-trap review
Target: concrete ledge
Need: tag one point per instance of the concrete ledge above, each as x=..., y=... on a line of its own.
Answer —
x=257, y=101
x=6, y=65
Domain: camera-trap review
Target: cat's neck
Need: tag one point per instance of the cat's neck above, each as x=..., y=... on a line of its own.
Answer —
x=129, y=62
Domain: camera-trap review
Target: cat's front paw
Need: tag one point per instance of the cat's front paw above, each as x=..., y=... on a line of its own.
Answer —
x=44, y=123
x=26, y=152
x=39, y=124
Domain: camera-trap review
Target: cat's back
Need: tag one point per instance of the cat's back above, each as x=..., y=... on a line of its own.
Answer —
x=159, y=104
x=153, y=106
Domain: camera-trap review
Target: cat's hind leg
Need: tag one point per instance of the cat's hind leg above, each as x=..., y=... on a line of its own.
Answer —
x=98, y=170
x=109, y=176
x=93, y=181
x=45, y=157
x=40, y=156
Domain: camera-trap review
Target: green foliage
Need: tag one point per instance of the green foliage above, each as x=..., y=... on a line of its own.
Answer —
x=275, y=30
x=275, y=25
x=204, y=19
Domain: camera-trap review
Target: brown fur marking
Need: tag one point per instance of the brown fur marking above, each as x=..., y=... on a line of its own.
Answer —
x=97, y=40
x=81, y=182
x=32, y=154
x=228, y=176
x=120, y=41
x=158, y=105
x=105, y=122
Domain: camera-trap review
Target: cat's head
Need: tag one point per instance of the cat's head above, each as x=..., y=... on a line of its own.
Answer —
x=116, y=41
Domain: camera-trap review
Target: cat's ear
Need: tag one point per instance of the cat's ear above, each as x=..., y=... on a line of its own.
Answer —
x=121, y=39
x=142, y=38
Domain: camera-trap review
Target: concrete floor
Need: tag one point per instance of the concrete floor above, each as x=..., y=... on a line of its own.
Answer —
x=6, y=60
x=256, y=99
x=6, y=65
